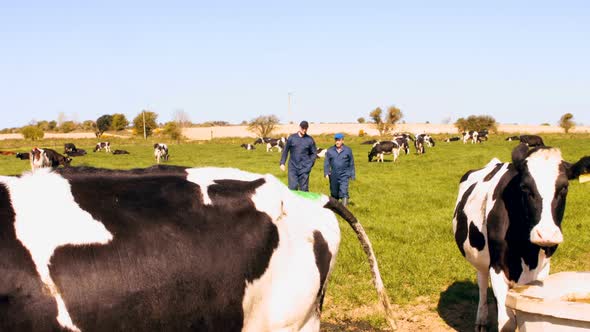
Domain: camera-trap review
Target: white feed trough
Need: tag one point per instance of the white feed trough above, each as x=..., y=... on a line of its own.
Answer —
x=559, y=303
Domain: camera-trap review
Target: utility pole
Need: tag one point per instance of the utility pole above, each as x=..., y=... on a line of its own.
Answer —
x=144, y=133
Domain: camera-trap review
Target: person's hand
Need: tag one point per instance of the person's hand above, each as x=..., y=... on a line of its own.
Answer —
x=327, y=177
x=282, y=167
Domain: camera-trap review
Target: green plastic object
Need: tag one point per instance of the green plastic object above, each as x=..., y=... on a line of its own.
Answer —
x=308, y=195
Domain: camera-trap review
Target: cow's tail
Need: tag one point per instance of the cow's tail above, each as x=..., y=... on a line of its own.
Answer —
x=343, y=212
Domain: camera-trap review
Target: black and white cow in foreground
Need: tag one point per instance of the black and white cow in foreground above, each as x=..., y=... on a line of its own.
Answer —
x=103, y=146
x=40, y=158
x=507, y=222
x=166, y=248
x=532, y=140
x=382, y=148
x=161, y=152
x=248, y=146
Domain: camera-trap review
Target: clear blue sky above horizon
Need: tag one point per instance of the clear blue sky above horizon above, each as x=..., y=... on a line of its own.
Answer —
x=522, y=62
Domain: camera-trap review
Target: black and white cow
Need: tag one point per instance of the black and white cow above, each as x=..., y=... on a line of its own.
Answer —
x=23, y=155
x=531, y=140
x=261, y=140
x=77, y=153
x=248, y=146
x=482, y=135
x=166, y=248
x=420, y=144
x=40, y=158
x=382, y=148
x=507, y=221
x=453, y=139
x=427, y=139
x=103, y=146
x=403, y=142
x=120, y=152
x=471, y=135
x=321, y=152
x=278, y=143
x=512, y=138
x=69, y=148
x=161, y=152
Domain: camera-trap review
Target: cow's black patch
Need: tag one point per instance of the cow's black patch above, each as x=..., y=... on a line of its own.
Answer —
x=175, y=263
x=476, y=238
x=461, y=227
x=323, y=256
x=490, y=175
x=466, y=175
x=24, y=305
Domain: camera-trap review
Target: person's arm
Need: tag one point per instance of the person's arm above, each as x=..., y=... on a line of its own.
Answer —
x=284, y=154
x=313, y=151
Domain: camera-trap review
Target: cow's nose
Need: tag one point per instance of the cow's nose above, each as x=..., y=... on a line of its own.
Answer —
x=548, y=237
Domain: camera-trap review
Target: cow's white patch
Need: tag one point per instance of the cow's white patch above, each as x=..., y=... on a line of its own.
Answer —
x=544, y=168
x=47, y=217
x=284, y=298
x=206, y=176
x=540, y=272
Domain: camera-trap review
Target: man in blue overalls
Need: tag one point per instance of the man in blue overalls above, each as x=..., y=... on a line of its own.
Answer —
x=339, y=168
x=303, y=154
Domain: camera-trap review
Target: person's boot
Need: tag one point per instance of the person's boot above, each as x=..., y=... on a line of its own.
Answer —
x=345, y=201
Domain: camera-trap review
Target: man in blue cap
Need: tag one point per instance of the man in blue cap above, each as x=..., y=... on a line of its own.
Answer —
x=303, y=154
x=339, y=168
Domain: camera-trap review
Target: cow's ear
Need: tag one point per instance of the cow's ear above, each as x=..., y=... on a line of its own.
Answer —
x=519, y=154
x=580, y=167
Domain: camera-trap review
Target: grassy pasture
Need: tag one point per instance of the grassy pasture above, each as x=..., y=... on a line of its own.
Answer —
x=406, y=207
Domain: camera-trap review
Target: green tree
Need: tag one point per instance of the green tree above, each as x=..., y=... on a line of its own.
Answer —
x=385, y=125
x=361, y=120
x=52, y=125
x=477, y=122
x=103, y=123
x=119, y=122
x=150, y=123
x=67, y=126
x=88, y=125
x=263, y=125
x=173, y=130
x=33, y=133
x=566, y=122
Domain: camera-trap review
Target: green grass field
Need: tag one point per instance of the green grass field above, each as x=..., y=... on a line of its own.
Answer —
x=406, y=208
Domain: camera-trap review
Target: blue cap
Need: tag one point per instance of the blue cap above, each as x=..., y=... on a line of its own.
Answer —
x=339, y=136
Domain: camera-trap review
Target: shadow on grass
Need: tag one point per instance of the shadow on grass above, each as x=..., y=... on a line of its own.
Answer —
x=457, y=306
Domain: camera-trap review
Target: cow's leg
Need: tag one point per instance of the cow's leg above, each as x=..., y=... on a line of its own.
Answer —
x=506, y=319
x=481, y=322
x=268, y=147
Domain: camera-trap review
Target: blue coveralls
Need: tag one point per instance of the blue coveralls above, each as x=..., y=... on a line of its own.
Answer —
x=303, y=154
x=340, y=167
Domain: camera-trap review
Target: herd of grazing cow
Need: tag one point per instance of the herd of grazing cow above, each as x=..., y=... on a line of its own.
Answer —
x=117, y=259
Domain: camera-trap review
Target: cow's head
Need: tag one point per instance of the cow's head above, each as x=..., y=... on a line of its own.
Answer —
x=36, y=154
x=97, y=147
x=543, y=179
x=373, y=152
x=258, y=141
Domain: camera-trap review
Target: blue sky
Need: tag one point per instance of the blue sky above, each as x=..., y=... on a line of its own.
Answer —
x=520, y=61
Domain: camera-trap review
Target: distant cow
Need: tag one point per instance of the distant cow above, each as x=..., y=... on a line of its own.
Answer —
x=261, y=140
x=23, y=155
x=507, y=222
x=69, y=148
x=47, y=158
x=168, y=248
x=120, y=152
x=161, y=152
x=453, y=139
x=482, y=135
x=382, y=148
x=512, y=138
x=77, y=153
x=321, y=152
x=103, y=146
x=404, y=142
x=278, y=143
x=428, y=140
x=532, y=140
x=470, y=136
x=248, y=146
x=7, y=153
x=420, y=144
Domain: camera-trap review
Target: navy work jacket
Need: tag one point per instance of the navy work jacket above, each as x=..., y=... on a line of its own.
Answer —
x=303, y=153
x=339, y=165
